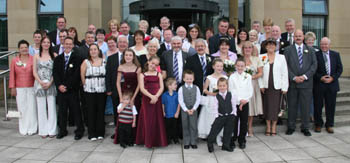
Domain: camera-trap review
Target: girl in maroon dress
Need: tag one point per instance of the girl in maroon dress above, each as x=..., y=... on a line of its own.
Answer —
x=127, y=81
x=150, y=130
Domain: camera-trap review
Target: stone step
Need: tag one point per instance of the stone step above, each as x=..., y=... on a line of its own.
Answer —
x=345, y=93
x=342, y=101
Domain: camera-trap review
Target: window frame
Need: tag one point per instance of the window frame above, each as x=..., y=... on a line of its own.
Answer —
x=50, y=13
x=315, y=13
x=4, y=14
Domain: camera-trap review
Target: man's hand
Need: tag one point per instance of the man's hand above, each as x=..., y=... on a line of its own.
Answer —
x=62, y=88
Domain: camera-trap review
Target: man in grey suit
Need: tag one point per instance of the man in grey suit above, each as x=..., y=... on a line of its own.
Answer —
x=173, y=61
x=302, y=65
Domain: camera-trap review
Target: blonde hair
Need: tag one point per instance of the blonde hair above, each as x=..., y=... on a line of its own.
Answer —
x=309, y=35
x=113, y=21
x=143, y=23
x=247, y=44
x=268, y=22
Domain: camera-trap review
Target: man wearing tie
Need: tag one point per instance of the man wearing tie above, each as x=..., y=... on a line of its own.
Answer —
x=302, y=65
x=290, y=28
x=166, y=45
x=200, y=64
x=59, y=48
x=173, y=61
x=66, y=74
x=326, y=85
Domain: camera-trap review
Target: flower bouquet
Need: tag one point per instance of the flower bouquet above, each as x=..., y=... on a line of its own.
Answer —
x=229, y=66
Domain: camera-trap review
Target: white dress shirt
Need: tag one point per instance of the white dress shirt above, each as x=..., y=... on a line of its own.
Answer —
x=329, y=61
x=233, y=102
x=167, y=45
x=241, y=86
x=181, y=98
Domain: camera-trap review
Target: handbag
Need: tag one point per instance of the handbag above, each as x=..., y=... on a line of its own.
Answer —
x=283, y=105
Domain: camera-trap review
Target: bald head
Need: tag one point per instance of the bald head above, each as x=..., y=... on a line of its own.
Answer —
x=325, y=44
x=299, y=36
x=276, y=32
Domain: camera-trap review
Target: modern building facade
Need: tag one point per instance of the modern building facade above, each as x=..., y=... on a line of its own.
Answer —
x=19, y=18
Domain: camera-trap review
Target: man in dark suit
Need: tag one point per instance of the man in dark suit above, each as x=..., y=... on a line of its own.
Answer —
x=326, y=85
x=173, y=61
x=166, y=45
x=59, y=49
x=302, y=65
x=214, y=40
x=125, y=30
x=200, y=64
x=113, y=63
x=91, y=28
x=54, y=35
x=280, y=43
x=66, y=74
x=290, y=28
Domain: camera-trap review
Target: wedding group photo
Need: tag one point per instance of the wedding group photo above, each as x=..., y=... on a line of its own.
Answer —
x=174, y=81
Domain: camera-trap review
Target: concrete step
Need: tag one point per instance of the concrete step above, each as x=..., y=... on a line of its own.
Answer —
x=342, y=110
x=345, y=93
x=343, y=101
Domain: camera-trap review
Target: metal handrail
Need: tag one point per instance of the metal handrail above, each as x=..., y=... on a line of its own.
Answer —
x=4, y=76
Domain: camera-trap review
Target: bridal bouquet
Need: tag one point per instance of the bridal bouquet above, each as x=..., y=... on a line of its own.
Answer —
x=229, y=66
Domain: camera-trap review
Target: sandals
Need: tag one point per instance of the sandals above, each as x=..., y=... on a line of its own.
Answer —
x=273, y=134
x=267, y=133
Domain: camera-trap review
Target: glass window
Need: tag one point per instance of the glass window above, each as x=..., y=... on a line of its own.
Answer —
x=315, y=7
x=3, y=7
x=50, y=6
x=3, y=34
x=316, y=24
x=47, y=22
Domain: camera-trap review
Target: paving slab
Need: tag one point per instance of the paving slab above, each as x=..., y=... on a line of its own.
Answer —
x=32, y=142
x=341, y=148
x=167, y=157
x=83, y=146
x=14, y=152
x=320, y=152
x=71, y=156
x=304, y=161
x=42, y=154
x=102, y=157
x=327, y=139
x=231, y=157
x=129, y=156
x=339, y=159
x=29, y=161
x=263, y=156
x=199, y=157
x=293, y=154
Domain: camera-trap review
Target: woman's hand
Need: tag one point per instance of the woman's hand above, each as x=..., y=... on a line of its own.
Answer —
x=284, y=92
x=13, y=92
x=262, y=90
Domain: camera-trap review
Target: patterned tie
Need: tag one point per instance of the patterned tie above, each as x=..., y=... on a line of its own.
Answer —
x=300, y=55
x=204, y=65
x=66, y=60
x=168, y=47
x=176, y=68
x=326, y=62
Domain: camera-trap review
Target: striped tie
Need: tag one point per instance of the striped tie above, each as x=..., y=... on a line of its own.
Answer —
x=176, y=68
x=300, y=55
x=326, y=61
x=66, y=60
x=204, y=65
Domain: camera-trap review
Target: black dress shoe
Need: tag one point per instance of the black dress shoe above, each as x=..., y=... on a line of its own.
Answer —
x=131, y=144
x=176, y=141
x=306, y=132
x=122, y=145
x=228, y=149
x=242, y=145
x=61, y=135
x=232, y=144
x=290, y=132
x=186, y=146
x=210, y=148
x=112, y=137
x=77, y=137
x=194, y=146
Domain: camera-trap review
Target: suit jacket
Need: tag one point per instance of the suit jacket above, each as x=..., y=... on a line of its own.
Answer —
x=111, y=73
x=280, y=73
x=131, y=40
x=53, y=35
x=309, y=66
x=69, y=77
x=214, y=44
x=56, y=49
x=83, y=51
x=282, y=46
x=336, y=70
x=166, y=62
x=284, y=36
x=193, y=63
x=161, y=50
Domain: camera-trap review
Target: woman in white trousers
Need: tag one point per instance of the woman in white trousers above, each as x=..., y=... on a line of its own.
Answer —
x=45, y=90
x=21, y=85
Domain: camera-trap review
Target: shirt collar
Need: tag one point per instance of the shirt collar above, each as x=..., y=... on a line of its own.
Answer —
x=188, y=85
x=223, y=94
x=65, y=54
x=326, y=52
x=297, y=46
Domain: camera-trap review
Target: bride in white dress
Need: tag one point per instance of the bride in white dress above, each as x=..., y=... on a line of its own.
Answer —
x=207, y=115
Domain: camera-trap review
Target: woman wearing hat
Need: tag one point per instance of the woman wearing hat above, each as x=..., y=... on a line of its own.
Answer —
x=273, y=84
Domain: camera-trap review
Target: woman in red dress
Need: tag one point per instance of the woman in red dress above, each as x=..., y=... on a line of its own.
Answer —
x=150, y=130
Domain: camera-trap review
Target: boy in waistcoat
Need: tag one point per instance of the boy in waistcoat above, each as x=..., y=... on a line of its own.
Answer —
x=189, y=100
x=225, y=117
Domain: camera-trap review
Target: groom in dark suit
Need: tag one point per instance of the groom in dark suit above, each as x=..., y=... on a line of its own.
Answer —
x=66, y=74
x=326, y=85
x=302, y=65
x=200, y=64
